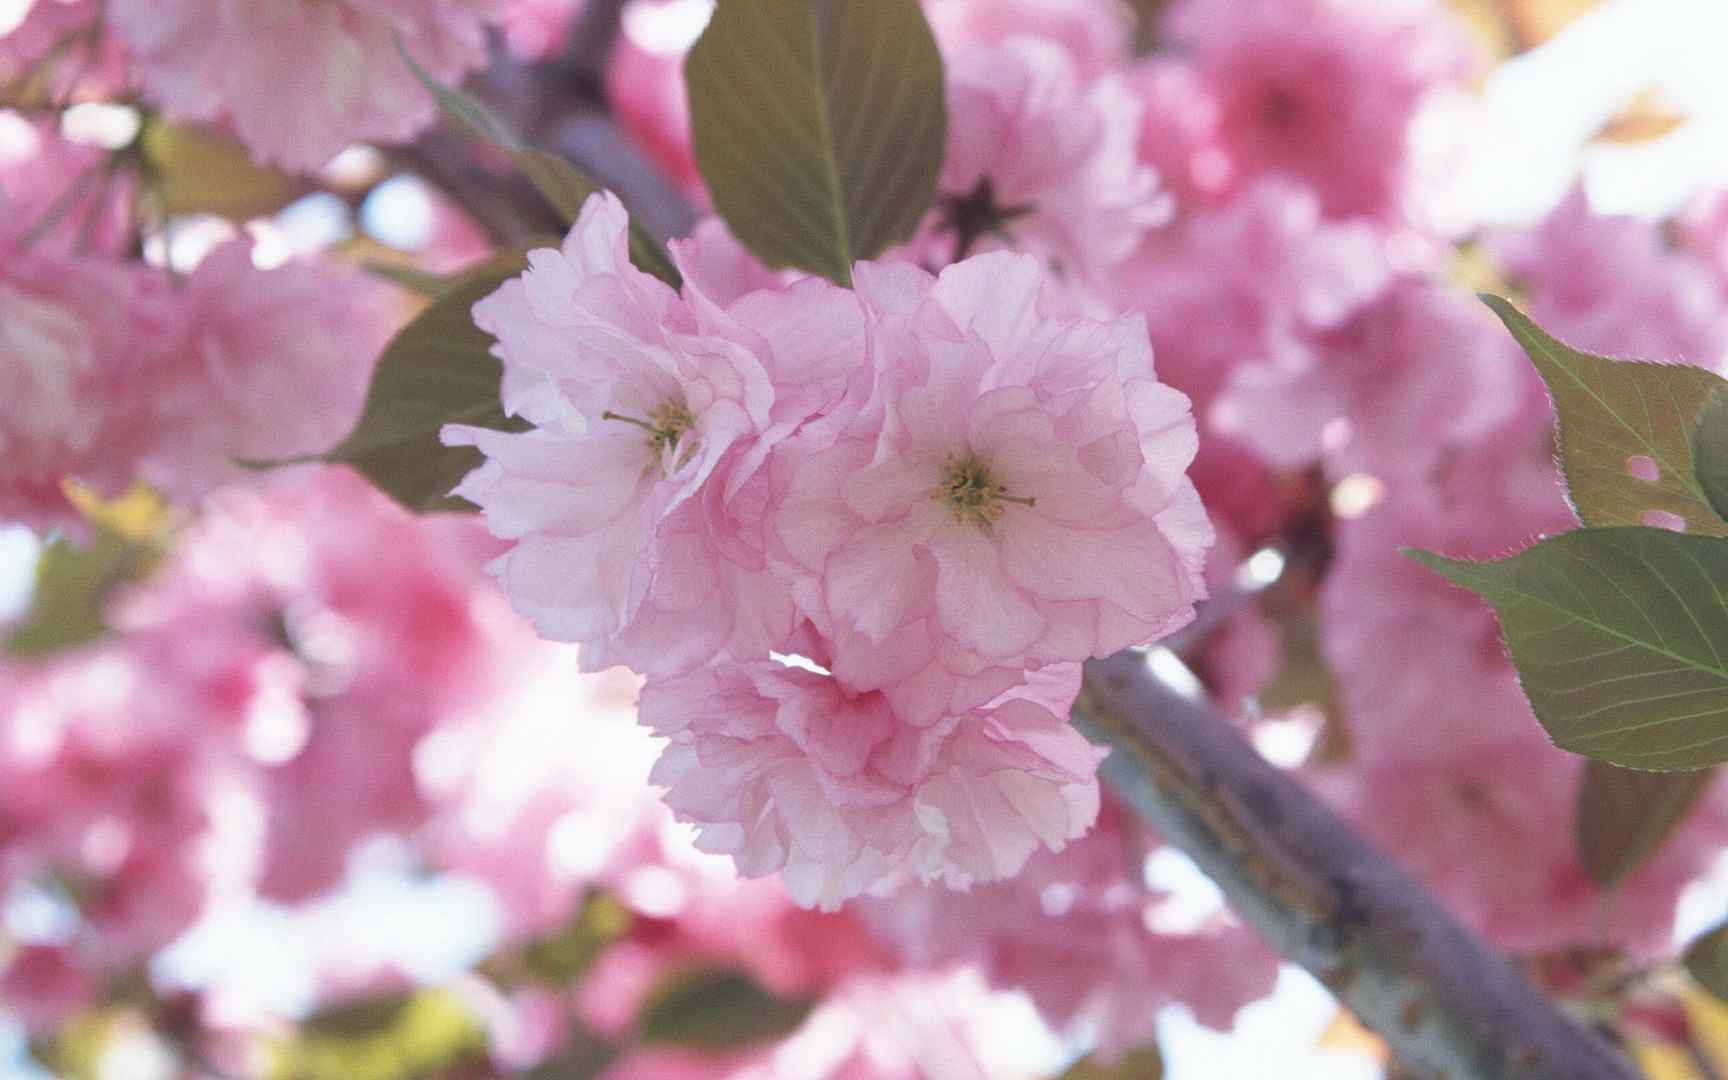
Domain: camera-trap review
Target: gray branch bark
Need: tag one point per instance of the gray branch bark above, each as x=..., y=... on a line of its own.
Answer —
x=557, y=105
x=1448, y=1006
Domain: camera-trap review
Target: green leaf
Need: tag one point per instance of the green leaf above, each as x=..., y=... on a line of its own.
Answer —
x=562, y=184
x=385, y=1037
x=68, y=607
x=438, y=370
x=1706, y=960
x=195, y=171
x=1624, y=816
x=1305, y=677
x=819, y=126
x=1618, y=418
x=1621, y=639
x=1145, y=1063
x=76, y=1047
x=583, y=1056
x=415, y=280
x=561, y=956
x=357, y=1019
x=1710, y=452
x=717, y=1009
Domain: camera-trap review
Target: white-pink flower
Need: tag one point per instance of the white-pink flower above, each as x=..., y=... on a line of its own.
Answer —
x=1617, y=284
x=1491, y=830
x=790, y=770
x=300, y=80
x=79, y=342
x=1247, y=282
x=1421, y=670
x=1014, y=484
x=1094, y=33
x=265, y=364
x=1039, y=155
x=1418, y=372
x=1084, y=936
x=638, y=501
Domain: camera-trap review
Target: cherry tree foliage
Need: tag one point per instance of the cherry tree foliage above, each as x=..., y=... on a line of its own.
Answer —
x=675, y=470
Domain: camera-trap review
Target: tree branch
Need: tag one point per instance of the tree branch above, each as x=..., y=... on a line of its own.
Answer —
x=557, y=105
x=591, y=140
x=589, y=45
x=507, y=207
x=1447, y=1005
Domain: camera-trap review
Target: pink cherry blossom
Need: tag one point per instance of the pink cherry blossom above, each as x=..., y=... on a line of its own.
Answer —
x=1702, y=229
x=721, y=922
x=106, y=795
x=327, y=692
x=1248, y=282
x=536, y=29
x=646, y=89
x=539, y=816
x=44, y=23
x=1323, y=92
x=1614, y=284
x=1246, y=651
x=59, y=44
x=1093, y=32
x=654, y=414
x=79, y=341
x=43, y=986
x=1490, y=829
x=1086, y=939
x=787, y=770
x=1049, y=153
x=722, y=269
x=1446, y=763
x=1015, y=482
x=270, y=364
x=910, y=1026
x=1419, y=371
x=1420, y=666
x=59, y=197
x=300, y=82
x=1179, y=131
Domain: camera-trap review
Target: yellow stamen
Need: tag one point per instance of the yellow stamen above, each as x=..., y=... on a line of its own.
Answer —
x=968, y=488
x=665, y=425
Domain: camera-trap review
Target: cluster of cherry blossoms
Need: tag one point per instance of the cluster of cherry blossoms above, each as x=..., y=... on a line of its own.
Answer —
x=120, y=370
x=252, y=716
x=938, y=492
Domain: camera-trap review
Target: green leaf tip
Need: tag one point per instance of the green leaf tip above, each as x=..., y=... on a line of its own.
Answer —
x=439, y=369
x=1623, y=816
x=1620, y=638
x=715, y=1008
x=1710, y=451
x=820, y=128
x=1706, y=960
x=1625, y=429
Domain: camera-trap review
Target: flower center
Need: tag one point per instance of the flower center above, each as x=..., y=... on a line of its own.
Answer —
x=972, y=493
x=665, y=425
